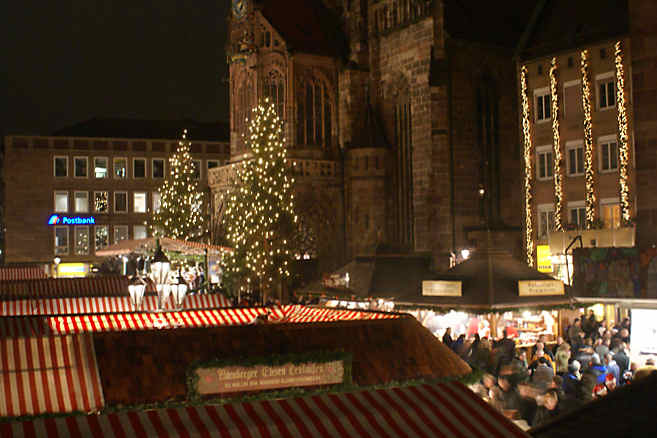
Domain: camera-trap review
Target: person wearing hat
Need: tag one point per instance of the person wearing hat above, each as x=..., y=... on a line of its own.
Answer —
x=599, y=391
x=610, y=382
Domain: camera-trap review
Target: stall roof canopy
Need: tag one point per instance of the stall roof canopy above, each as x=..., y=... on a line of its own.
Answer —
x=489, y=280
x=148, y=246
x=627, y=411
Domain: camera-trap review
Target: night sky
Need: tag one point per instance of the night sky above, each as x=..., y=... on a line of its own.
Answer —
x=67, y=61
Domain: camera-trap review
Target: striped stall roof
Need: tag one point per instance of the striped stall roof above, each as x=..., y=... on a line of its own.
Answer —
x=440, y=410
x=71, y=306
x=9, y=273
x=48, y=374
x=64, y=287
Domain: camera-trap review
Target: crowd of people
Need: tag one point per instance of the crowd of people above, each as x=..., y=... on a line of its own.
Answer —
x=541, y=382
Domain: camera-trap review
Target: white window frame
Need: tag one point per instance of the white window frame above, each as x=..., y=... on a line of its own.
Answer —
x=86, y=164
x=75, y=244
x=606, y=78
x=134, y=231
x=120, y=227
x=134, y=160
x=68, y=240
x=75, y=201
x=544, y=208
x=609, y=201
x=164, y=168
x=134, y=204
x=541, y=92
x=542, y=150
x=96, y=248
x=114, y=160
x=108, y=200
x=576, y=205
x=127, y=201
x=54, y=166
x=159, y=198
x=568, y=84
x=68, y=203
x=574, y=144
x=109, y=170
x=606, y=140
x=200, y=169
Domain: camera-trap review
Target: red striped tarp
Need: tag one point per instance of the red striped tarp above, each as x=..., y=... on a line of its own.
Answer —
x=442, y=410
x=64, y=287
x=71, y=306
x=48, y=374
x=8, y=273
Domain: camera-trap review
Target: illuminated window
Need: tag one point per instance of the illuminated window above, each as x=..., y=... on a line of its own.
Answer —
x=575, y=156
x=101, y=169
x=139, y=202
x=61, y=202
x=158, y=168
x=61, y=240
x=120, y=233
x=545, y=164
x=610, y=212
x=608, y=147
x=121, y=202
x=120, y=168
x=101, y=202
x=139, y=168
x=60, y=167
x=545, y=220
x=81, y=202
x=81, y=240
x=543, y=108
x=139, y=232
x=157, y=199
x=80, y=165
x=101, y=236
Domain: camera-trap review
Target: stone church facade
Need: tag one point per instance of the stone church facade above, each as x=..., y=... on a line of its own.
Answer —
x=402, y=128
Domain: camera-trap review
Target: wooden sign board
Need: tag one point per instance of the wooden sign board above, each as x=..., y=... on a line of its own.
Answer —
x=533, y=288
x=441, y=288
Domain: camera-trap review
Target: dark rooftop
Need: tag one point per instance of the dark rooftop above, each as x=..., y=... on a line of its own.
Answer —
x=151, y=129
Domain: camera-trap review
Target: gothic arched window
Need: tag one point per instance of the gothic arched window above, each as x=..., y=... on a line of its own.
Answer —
x=275, y=90
x=313, y=114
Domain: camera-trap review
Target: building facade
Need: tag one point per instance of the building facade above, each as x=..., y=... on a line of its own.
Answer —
x=401, y=121
x=69, y=196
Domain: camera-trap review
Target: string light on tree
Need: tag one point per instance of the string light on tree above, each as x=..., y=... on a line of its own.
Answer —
x=527, y=141
x=182, y=204
x=589, y=170
x=556, y=146
x=259, y=214
x=623, y=147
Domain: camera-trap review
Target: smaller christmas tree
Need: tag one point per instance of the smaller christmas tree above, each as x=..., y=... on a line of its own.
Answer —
x=181, y=203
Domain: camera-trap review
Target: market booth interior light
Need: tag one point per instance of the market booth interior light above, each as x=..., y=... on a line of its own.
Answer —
x=136, y=289
x=160, y=269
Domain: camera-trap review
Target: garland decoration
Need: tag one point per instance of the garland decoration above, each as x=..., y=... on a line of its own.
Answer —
x=556, y=145
x=589, y=171
x=623, y=147
x=527, y=141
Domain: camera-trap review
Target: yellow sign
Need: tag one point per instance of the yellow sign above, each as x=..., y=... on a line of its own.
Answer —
x=441, y=288
x=72, y=270
x=544, y=262
x=534, y=288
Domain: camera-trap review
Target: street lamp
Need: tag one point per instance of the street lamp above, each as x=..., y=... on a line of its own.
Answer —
x=160, y=268
x=178, y=290
x=57, y=261
x=465, y=253
x=137, y=288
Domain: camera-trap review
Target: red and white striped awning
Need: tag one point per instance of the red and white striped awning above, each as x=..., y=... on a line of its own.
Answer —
x=10, y=273
x=87, y=305
x=48, y=374
x=443, y=410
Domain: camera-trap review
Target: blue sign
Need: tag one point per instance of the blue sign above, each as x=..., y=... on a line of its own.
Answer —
x=56, y=219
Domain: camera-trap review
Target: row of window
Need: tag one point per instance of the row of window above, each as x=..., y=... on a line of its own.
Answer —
x=119, y=169
x=82, y=242
x=608, y=158
x=609, y=214
x=605, y=95
x=101, y=202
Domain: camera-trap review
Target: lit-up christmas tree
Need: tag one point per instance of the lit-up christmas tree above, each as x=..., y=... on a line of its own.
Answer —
x=259, y=215
x=182, y=206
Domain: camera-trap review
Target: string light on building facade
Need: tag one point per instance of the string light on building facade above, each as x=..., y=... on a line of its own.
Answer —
x=589, y=170
x=527, y=141
x=556, y=146
x=623, y=146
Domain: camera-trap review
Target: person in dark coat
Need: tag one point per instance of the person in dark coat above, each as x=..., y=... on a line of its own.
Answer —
x=447, y=337
x=548, y=409
x=622, y=359
x=571, y=380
